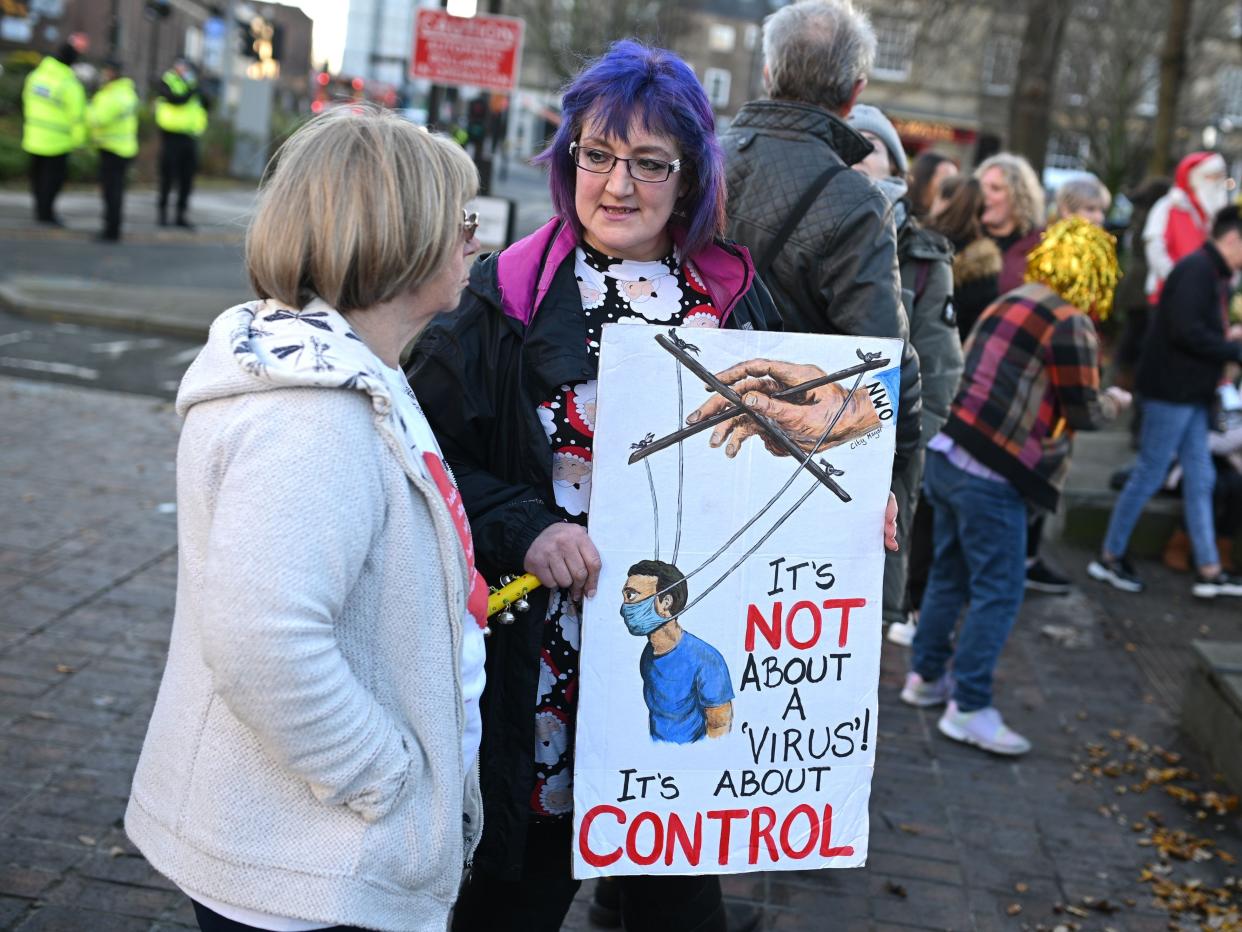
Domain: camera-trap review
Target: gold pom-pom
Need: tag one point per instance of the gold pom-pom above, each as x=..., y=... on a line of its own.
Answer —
x=1077, y=260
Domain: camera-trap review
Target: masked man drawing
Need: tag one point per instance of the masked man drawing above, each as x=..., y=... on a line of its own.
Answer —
x=686, y=682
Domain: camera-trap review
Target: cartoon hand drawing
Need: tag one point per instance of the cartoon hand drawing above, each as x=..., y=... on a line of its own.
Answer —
x=803, y=416
x=686, y=682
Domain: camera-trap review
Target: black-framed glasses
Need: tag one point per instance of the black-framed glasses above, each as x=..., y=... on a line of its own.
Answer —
x=469, y=224
x=641, y=168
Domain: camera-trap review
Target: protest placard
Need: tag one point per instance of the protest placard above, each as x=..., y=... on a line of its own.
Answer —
x=730, y=659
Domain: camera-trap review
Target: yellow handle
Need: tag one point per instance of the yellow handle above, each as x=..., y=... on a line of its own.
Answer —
x=507, y=595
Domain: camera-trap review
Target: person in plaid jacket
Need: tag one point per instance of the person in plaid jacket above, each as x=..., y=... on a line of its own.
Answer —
x=1031, y=379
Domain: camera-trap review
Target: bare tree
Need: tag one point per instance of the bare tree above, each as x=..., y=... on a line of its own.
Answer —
x=563, y=34
x=1108, y=83
x=1030, y=109
x=1109, y=87
x=1172, y=76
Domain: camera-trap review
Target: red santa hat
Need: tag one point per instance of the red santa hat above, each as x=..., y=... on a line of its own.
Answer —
x=1191, y=170
x=581, y=453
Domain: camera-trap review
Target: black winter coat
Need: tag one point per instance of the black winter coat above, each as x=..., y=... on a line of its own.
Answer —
x=480, y=376
x=1186, y=349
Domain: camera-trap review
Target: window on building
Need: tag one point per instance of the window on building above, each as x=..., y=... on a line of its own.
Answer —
x=193, y=43
x=1230, y=89
x=717, y=82
x=894, y=47
x=750, y=38
x=1149, y=81
x=721, y=37
x=1068, y=150
x=1000, y=64
x=1078, y=79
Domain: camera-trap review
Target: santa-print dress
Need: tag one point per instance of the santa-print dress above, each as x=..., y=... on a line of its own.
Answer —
x=664, y=292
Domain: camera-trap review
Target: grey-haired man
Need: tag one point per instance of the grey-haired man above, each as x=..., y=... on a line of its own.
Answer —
x=835, y=269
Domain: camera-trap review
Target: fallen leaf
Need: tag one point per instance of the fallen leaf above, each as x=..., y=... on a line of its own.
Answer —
x=87, y=840
x=1219, y=803
x=895, y=889
x=64, y=668
x=1020, y=887
x=1014, y=908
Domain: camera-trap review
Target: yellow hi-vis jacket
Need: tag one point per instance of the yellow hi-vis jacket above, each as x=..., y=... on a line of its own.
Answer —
x=112, y=116
x=53, y=107
x=189, y=118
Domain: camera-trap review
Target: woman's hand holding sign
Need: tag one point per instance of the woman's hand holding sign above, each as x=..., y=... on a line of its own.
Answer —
x=563, y=556
x=890, y=524
x=802, y=416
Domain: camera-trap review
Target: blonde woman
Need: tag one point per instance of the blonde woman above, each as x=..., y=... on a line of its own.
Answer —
x=1013, y=212
x=1013, y=218
x=1084, y=196
x=310, y=760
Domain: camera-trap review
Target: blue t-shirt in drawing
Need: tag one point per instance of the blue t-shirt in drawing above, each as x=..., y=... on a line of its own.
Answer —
x=681, y=685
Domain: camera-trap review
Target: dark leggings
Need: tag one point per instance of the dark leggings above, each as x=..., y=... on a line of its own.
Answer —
x=540, y=899
x=920, y=555
x=210, y=921
x=1034, y=532
x=178, y=163
x=47, y=177
x=1227, y=496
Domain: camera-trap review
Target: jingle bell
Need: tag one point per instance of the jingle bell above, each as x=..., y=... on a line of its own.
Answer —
x=487, y=632
x=506, y=617
x=521, y=605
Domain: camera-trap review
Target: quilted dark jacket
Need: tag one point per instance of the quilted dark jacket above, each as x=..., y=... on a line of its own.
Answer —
x=837, y=273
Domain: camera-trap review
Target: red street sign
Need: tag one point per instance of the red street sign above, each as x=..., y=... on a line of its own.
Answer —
x=483, y=51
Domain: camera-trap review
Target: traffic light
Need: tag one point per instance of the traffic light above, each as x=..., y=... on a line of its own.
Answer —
x=260, y=39
x=476, y=119
x=246, y=41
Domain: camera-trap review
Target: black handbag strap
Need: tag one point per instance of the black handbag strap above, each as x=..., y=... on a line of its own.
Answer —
x=795, y=215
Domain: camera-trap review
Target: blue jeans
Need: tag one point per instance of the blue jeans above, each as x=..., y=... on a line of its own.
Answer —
x=979, y=541
x=1170, y=430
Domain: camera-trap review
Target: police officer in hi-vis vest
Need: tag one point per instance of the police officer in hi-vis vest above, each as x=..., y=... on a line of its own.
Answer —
x=112, y=117
x=53, y=105
x=182, y=118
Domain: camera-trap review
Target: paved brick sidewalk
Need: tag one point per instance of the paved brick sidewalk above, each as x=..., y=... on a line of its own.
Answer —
x=959, y=840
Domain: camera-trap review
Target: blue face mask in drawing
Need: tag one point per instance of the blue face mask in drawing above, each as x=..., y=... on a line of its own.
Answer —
x=641, y=617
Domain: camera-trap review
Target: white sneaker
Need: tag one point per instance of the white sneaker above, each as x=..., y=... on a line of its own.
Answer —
x=918, y=692
x=902, y=632
x=1221, y=584
x=984, y=728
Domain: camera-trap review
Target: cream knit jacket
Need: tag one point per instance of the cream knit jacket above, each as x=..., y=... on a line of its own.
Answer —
x=304, y=754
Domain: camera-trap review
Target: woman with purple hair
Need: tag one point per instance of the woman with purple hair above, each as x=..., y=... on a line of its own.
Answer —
x=508, y=382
